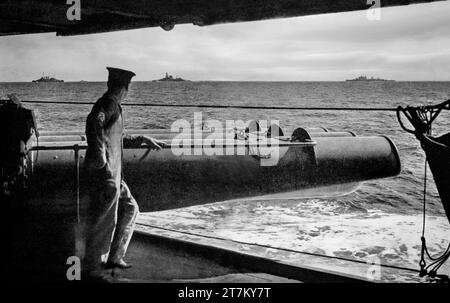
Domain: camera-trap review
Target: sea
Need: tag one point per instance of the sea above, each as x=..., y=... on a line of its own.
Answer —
x=382, y=219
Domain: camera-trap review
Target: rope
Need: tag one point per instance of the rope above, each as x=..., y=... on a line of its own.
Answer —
x=421, y=117
x=77, y=168
x=427, y=117
x=422, y=262
x=389, y=109
x=273, y=247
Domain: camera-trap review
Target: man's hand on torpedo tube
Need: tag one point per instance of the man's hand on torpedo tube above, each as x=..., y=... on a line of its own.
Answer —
x=130, y=141
x=152, y=143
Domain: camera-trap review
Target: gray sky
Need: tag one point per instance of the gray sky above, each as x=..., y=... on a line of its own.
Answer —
x=408, y=43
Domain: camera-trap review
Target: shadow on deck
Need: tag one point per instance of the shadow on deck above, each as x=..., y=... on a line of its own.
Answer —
x=38, y=243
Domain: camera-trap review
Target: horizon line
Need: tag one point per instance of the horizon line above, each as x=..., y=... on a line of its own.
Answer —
x=137, y=81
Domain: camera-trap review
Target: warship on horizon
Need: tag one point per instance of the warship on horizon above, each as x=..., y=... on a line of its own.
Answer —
x=47, y=79
x=170, y=78
x=371, y=79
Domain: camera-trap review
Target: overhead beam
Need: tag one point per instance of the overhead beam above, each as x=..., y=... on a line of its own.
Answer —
x=113, y=15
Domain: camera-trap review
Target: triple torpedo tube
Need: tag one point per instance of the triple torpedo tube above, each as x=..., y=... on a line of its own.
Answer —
x=232, y=164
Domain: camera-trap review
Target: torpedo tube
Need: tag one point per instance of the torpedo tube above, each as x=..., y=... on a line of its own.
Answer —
x=293, y=164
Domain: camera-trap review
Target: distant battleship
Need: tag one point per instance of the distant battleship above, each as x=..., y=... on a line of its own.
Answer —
x=170, y=78
x=371, y=79
x=47, y=79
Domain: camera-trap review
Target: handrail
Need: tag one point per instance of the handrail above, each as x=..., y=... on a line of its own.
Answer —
x=82, y=145
x=444, y=105
x=390, y=109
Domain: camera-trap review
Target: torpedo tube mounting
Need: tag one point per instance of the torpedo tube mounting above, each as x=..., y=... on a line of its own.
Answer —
x=307, y=163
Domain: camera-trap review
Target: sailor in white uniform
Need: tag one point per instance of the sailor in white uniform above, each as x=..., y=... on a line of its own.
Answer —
x=112, y=210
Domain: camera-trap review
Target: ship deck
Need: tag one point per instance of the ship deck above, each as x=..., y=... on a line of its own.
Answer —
x=39, y=242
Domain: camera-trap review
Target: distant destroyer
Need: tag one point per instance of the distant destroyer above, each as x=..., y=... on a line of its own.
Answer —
x=170, y=78
x=47, y=79
x=366, y=79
